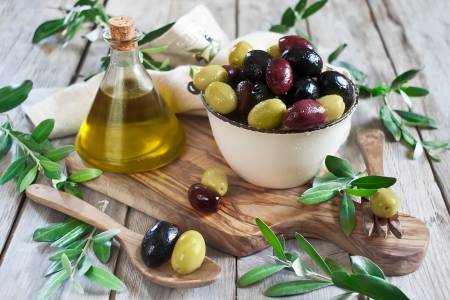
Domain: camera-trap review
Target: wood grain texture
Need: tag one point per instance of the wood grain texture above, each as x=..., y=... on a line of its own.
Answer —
x=163, y=194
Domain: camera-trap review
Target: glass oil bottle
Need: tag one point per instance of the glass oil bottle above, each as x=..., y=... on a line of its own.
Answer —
x=130, y=128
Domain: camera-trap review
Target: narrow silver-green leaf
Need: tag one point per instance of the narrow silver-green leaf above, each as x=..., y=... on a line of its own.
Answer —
x=72, y=236
x=406, y=99
x=403, y=78
x=360, y=192
x=334, y=266
x=29, y=142
x=418, y=150
x=347, y=215
x=414, y=91
x=46, y=146
x=320, y=193
x=155, y=50
x=344, y=296
x=312, y=252
x=283, y=246
x=374, y=182
x=13, y=96
x=333, y=56
x=47, y=29
x=295, y=287
x=105, y=236
x=22, y=176
x=13, y=170
x=50, y=166
x=338, y=166
x=279, y=28
x=362, y=265
x=413, y=117
x=436, y=144
x=389, y=124
x=258, y=274
x=102, y=251
x=43, y=130
x=85, y=175
x=329, y=178
x=72, y=190
x=66, y=263
x=313, y=8
x=270, y=237
x=53, y=231
x=51, y=285
x=300, y=7
x=300, y=268
x=5, y=140
x=59, y=153
x=105, y=278
x=288, y=19
x=28, y=179
x=57, y=265
x=70, y=253
x=77, y=287
x=83, y=265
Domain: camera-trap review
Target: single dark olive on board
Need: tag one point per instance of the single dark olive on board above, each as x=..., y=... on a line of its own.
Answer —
x=158, y=243
x=244, y=93
x=304, y=61
x=334, y=83
x=261, y=92
x=304, y=87
x=204, y=199
x=255, y=64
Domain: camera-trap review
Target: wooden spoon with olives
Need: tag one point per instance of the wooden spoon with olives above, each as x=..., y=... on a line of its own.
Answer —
x=131, y=241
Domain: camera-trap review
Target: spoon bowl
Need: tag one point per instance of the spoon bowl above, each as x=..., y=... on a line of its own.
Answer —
x=131, y=241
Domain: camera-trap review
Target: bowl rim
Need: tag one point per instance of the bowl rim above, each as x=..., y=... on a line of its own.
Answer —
x=280, y=131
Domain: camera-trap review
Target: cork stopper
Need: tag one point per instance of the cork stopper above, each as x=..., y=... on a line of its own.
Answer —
x=122, y=29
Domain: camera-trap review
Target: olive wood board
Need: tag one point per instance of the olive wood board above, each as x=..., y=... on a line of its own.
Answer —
x=162, y=194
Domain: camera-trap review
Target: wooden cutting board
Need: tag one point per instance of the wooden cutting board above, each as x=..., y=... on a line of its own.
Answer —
x=162, y=194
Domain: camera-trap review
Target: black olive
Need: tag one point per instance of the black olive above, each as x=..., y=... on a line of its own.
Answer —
x=255, y=64
x=304, y=61
x=158, y=243
x=334, y=83
x=261, y=92
x=304, y=87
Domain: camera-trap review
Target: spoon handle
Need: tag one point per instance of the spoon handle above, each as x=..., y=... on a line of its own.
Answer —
x=371, y=144
x=75, y=207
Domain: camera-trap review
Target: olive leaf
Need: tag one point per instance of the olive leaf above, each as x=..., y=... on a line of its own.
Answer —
x=105, y=278
x=295, y=287
x=105, y=236
x=362, y=265
x=5, y=139
x=335, y=54
x=289, y=18
x=59, y=153
x=380, y=89
x=406, y=98
x=270, y=237
x=313, y=8
x=356, y=74
x=300, y=268
x=338, y=166
x=155, y=34
x=347, y=215
x=102, y=251
x=77, y=287
x=70, y=254
x=312, y=253
x=389, y=124
x=360, y=192
x=85, y=175
x=47, y=29
x=28, y=179
x=46, y=146
x=51, y=285
x=300, y=7
x=53, y=231
x=57, y=265
x=417, y=118
x=319, y=194
x=66, y=263
x=83, y=265
x=50, y=166
x=374, y=182
x=43, y=130
x=279, y=28
x=72, y=190
x=22, y=176
x=154, y=50
x=258, y=274
x=13, y=96
x=404, y=77
x=344, y=296
x=13, y=170
x=334, y=266
x=413, y=91
x=72, y=236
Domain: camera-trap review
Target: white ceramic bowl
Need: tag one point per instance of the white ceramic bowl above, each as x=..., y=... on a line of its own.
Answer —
x=278, y=159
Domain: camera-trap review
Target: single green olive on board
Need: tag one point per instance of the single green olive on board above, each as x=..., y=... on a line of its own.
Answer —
x=334, y=104
x=209, y=74
x=189, y=252
x=221, y=97
x=238, y=53
x=267, y=114
x=385, y=203
x=216, y=179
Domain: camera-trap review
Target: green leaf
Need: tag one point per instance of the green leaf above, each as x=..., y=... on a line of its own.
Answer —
x=85, y=175
x=102, y=251
x=106, y=279
x=105, y=236
x=380, y=89
x=155, y=50
x=347, y=215
x=370, y=286
x=77, y=287
x=357, y=74
x=334, y=266
x=418, y=150
x=374, y=182
x=165, y=63
x=5, y=140
x=329, y=178
x=57, y=265
x=28, y=179
x=29, y=142
x=300, y=7
x=52, y=175
x=404, y=77
x=435, y=156
x=319, y=193
x=53, y=231
x=283, y=246
x=50, y=166
x=413, y=117
x=406, y=99
x=436, y=144
x=362, y=265
x=46, y=146
x=70, y=253
x=389, y=124
x=333, y=56
x=338, y=166
x=313, y=8
x=344, y=296
x=22, y=176
x=72, y=190
x=300, y=268
x=43, y=130
x=288, y=19
x=364, y=91
x=409, y=138
x=13, y=96
x=360, y=192
x=51, y=285
x=258, y=274
x=60, y=153
x=66, y=264
x=72, y=236
x=295, y=287
x=47, y=29
x=83, y=265
x=312, y=252
x=155, y=34
x=13, y=170
x=413, y=91
x=279, y=28
x=270, y=237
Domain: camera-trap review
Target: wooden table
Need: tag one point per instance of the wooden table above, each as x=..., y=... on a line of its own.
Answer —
x=385, y=38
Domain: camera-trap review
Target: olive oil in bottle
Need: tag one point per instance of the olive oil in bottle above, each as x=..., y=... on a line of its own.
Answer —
x=130, y=128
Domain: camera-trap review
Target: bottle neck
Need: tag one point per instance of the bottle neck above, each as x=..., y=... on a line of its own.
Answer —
x=124, y=58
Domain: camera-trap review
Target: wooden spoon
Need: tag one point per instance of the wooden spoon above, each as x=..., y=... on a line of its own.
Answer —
x=208, y=273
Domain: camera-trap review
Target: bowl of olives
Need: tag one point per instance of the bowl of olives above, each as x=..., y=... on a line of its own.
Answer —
x=276, y=114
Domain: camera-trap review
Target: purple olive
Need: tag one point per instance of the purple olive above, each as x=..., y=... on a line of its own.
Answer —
x=305, y=114
x=292, y=41
x=233, y=75
x=279, y=75
x=244, y=93
x=204, y=199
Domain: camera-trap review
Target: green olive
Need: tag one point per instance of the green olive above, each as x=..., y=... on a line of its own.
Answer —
x=274, y=50
x=189, y=252
x=238, y=53
x=334, y=104
x=267, y=114
x=221, y=97
x=216, y=179
x=385, y=203
x=209, y=74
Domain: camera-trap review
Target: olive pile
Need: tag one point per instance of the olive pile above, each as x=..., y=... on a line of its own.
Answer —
x=206, y=196
x=163, y=242
x=284, y=85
